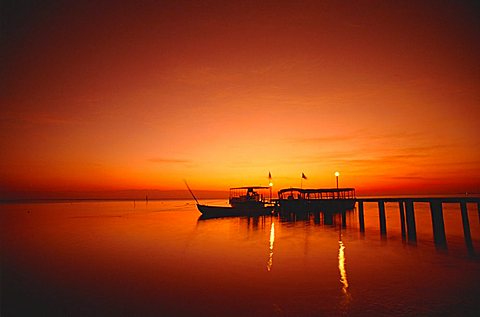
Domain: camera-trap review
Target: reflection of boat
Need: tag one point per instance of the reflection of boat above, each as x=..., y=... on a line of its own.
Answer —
x=244, y=201
x=326, y=199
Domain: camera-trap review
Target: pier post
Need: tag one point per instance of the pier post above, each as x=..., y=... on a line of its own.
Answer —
x=438, y=223
x=344, y=218
x=401, y=207
x=361, y=218
x=328, y=218
x=410, y=215
x=466, y=224
x=383, y=221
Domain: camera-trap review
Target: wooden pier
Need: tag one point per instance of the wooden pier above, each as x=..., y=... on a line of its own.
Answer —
x=407, y=216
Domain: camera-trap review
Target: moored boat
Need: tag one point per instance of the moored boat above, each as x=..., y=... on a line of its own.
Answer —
x=244, y=201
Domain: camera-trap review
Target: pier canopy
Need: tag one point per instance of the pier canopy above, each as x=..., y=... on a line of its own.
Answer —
x=249, y=187
x=314, y=194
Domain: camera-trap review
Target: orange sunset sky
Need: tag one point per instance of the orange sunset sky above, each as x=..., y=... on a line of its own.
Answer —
x=139, y=95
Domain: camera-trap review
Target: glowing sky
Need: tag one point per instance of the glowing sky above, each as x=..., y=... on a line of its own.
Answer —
x=144, y=94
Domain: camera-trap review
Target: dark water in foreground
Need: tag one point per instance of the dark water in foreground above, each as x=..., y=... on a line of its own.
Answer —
x=121, y=259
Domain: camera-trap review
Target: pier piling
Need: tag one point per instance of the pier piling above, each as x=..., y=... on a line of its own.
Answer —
x=361, y=216
x=466, y=225
x=328, y=218
x=410, y=215
x=406, y=206
x=383, y=221
x=438, y=223
x=401, y=207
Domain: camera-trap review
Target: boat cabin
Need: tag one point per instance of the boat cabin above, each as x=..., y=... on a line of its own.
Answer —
x=248, y=196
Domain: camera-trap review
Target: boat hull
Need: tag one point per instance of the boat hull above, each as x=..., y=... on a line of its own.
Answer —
x=220, y=211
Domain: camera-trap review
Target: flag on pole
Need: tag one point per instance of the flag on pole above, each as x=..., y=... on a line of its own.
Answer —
x=303, y=176
x=269, y=176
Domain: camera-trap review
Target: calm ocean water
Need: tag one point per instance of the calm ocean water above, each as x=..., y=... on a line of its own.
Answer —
x=160, y=259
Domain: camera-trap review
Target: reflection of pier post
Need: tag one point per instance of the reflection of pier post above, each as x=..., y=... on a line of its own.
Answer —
x=410, y=215
x=401, y=208
x=328, y=218
x=438, y=223
x=361, y=217
x=344, y=218
x=383, y=220
x=316, y=217
x=466, y=224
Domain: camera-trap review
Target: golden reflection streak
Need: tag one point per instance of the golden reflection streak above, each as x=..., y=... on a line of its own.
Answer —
x=272, y=240
x=341, y=268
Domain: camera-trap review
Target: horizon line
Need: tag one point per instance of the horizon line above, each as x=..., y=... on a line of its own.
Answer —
x=144, y=199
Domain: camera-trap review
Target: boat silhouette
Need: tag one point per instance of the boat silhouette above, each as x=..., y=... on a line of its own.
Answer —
x=244, y=201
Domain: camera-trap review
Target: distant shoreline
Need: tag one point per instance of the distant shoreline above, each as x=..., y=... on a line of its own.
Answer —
x=69, y=200
x=143, y=199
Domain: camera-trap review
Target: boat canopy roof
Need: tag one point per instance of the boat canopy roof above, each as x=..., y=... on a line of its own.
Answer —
x=314, y=190
x=250, y=187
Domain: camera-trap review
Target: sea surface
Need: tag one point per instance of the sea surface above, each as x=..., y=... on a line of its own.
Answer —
x=126, y=258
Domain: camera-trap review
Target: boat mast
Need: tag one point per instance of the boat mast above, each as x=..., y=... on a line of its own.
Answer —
x=191, y=193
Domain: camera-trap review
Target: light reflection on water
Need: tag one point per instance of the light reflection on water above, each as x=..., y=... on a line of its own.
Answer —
x=272, y=240
x=341, y=267
x=343, y=276
x=121, y=258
